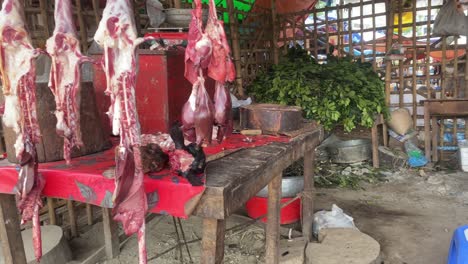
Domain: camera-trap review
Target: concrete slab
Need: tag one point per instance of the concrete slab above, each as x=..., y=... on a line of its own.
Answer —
x=55, y=248
x=343, y=245
x=292, y=251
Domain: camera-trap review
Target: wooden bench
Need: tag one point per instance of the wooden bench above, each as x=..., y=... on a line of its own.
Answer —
x=234, y=179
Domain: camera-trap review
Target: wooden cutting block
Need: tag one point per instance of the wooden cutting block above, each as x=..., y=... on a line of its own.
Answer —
x=271, y=118
x=50, y=148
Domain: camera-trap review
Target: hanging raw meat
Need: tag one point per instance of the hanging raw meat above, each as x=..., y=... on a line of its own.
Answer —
x=118, y=37
x=64, y=49
x=221, y=69
x=198, y=114
x=198, y=51
x=223, y=111
x=18, y=75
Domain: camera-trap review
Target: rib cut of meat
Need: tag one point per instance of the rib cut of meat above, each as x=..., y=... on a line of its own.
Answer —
x=117, y=35
x=64, y=49
x=18, y=75
x=198, y=51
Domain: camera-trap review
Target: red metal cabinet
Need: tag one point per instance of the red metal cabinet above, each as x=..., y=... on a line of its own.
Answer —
x=161, y=90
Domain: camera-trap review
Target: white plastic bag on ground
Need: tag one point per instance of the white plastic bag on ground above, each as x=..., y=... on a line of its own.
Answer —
x=451, y=21
x=154, y=8
x=332, y=219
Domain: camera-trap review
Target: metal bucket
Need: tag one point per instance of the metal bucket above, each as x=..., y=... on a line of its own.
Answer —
x=181, y=17
x=290, y=187
x=350, y=151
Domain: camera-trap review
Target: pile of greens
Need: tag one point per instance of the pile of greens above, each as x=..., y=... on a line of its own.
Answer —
x=341, y=92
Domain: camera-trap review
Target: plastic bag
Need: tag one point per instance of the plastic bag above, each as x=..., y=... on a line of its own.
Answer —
x=416, y=157
x=332, y=219
x=236, y=103
x=155, y=13
x=451, y=21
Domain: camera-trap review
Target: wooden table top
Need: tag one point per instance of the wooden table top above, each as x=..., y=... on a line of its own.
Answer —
x=234, y=179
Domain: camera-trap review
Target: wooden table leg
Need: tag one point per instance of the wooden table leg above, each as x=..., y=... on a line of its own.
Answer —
x=385, y=134
x=89, y=214
x=273, y=220
x=72, y=216
x=51, y=209
x=435, y=141
x=10, y=232
x=375, y=146
x=308, y=194
x=111, y=234
x=427, y=132
x=213, y=241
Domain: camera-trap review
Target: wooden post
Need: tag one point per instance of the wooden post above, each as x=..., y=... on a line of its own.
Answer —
x=10, y=233
x=45, y=17
x=235, y=46
x=213, y=241
x=375, y=145
x=273, y=220
x=435, y=130
x=275, y=33
x=51, y=209
x=177, y=4
x=83, y=31
x=388, y=63
x=89, y=214
x=427, y=131
x=71, y=214
x=111, y=234
x=97, y=16
x=308, y=194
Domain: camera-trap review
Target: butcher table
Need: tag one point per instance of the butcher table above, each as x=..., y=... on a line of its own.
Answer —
x=231, y=181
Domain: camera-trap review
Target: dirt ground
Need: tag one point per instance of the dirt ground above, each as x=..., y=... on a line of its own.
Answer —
x=411, y=216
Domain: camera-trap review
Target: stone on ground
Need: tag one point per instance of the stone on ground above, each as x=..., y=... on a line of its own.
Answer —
x=55, y=248
x=343, y=245
x=292, y=251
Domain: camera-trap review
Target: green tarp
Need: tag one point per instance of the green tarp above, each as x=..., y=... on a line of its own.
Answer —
x=245, y=6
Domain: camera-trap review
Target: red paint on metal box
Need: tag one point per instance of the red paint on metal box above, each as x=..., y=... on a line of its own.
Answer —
x=161, y=90
x=258, y=206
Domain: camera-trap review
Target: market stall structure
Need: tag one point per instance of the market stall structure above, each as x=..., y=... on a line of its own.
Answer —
x=260, y=32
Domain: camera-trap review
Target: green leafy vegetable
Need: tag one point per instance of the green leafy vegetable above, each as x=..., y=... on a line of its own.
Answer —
x=341, y=92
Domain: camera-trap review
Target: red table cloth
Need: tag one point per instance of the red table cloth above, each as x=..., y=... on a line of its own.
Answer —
x=88, y=180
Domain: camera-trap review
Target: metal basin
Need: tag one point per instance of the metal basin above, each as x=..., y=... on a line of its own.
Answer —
x=271, y=118
x=290, y=187
x=350, y=151
x=181, y=17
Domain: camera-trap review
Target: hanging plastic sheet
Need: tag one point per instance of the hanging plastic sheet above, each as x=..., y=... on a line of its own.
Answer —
x=451, y=20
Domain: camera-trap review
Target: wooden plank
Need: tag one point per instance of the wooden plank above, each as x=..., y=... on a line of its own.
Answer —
x=72, y=218
x=51, y=211
x=111, y=234
x=308, y=194
x=10, y=233
x=213, y=241
x=273, y=220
